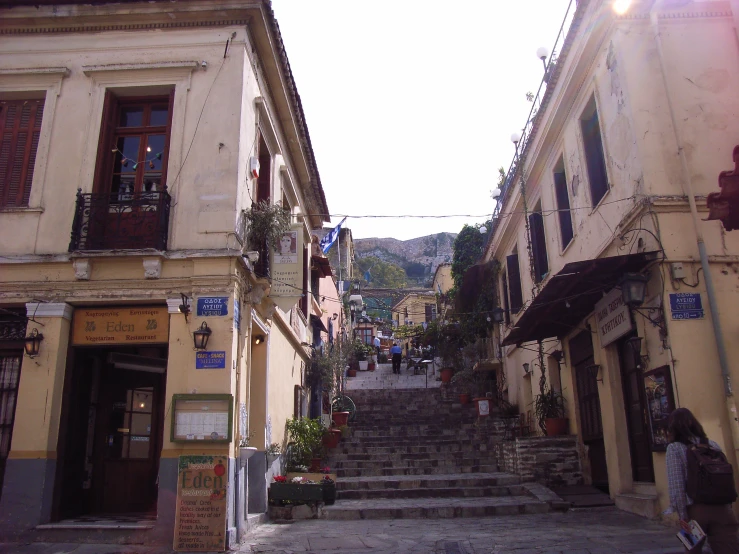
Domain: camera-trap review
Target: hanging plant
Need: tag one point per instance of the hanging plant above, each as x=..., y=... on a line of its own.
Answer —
x=265, y=224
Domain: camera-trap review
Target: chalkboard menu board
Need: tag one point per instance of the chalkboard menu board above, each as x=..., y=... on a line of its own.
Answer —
x=200, y=521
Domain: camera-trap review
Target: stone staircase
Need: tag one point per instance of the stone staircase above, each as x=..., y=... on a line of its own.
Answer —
x=413, y=455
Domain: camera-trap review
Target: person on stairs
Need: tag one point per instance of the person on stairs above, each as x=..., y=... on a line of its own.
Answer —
x=397, y=355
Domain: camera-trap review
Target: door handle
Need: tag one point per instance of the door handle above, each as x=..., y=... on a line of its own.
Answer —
x=122, y=430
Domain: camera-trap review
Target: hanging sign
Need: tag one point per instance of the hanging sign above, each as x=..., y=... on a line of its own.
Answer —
x=287, y=270
x=210, y=360
x=131, y=325
x=686, y=305
x=212, y=305
x=613, y=317
x=200, y=519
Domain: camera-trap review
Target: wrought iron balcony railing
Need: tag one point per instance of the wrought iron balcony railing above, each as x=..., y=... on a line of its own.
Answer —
x=113, y=221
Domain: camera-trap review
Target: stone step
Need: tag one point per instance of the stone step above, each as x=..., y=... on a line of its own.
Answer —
x=442, y=492
x=461, y=480
x=381, y=464
x=453, y=446
x=407, y=470
x=436, y=508
x=383, y=456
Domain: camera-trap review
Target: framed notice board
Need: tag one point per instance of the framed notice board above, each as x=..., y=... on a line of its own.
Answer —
x=660, y=404
x=204, y=418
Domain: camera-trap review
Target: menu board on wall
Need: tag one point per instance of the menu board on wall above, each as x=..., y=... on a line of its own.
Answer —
x=200, y=520
x=202, y=417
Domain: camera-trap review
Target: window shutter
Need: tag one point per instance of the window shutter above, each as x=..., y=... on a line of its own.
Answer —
x=539, y=246
x=514, y=283
x=429, y=315
x=563, y=206
x=20, y=129
x=506, y=306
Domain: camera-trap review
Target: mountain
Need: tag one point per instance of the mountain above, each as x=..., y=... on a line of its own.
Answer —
x=419, y=257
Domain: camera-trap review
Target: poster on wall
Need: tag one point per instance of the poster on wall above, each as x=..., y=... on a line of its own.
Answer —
x=660, y=404
x=287, y=270
x=200, y=520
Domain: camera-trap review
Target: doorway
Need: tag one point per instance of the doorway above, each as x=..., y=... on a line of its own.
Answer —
x=591, y=423
x=635, y=404
x=114, y=430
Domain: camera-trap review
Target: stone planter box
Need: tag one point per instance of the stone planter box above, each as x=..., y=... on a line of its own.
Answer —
x=298, y=512
x=292, y=492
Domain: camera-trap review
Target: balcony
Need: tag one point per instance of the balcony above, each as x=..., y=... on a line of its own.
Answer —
x=114, y=222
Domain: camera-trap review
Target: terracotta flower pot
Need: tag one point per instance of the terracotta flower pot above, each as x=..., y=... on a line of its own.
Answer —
x=351, y=373
x=446, y=375
x=371, y=366
x=315, y=465
x=464, y=398
x=340, y=418
x=556, y=426
x=331, y=439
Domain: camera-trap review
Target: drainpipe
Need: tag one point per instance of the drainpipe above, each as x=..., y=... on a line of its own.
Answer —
x=710, y=291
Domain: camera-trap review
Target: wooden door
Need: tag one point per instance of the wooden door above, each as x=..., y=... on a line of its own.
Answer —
x=127, y=441
x=591, y=424
x=635, y=404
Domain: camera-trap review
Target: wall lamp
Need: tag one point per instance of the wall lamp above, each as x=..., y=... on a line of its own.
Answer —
x=258, y=339
x=527, y=368
x=201, y=336
x=33, y=343
x=633, y=289
x=498, y=315
x=335, y=316
x=593, y=371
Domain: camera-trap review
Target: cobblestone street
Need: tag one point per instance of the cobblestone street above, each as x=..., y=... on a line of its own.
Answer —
x=595, y=531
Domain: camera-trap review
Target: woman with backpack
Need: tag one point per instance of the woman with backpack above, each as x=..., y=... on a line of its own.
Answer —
x=701, y=483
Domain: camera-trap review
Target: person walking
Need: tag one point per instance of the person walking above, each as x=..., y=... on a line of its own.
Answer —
x=376, y=342
x=397, y=355
x=717, y=520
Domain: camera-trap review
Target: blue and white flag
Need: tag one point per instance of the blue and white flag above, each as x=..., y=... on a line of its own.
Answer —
x=328, y=241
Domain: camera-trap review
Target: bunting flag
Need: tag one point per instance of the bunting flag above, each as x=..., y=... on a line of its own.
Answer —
x=328, y=241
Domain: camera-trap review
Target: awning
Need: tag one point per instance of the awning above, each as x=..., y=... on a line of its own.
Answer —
x=579, y=284
x=322, y=265
x=318, y=322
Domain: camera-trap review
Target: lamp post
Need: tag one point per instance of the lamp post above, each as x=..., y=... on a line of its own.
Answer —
x=543, y=53
x=633, y=289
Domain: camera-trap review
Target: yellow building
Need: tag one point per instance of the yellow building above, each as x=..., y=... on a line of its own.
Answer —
x=145, y=132
x=443, y=278
x=415, y=308
x=633, y=122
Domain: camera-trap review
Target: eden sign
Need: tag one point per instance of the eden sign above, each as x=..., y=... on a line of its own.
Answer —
x=129, y=325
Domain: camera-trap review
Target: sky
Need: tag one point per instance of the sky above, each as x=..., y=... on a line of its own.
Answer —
x=411, y=104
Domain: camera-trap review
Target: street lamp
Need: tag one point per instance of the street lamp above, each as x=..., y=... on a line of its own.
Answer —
x=633, y=289
x=498, y=315
x=543, y=53
x=33, y=343
x=201, y=336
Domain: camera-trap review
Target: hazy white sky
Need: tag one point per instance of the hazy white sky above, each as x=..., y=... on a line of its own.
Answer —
x=410, y=104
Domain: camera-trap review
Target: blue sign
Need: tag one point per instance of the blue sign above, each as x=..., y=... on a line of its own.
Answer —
x=686, y=305
x=210, y=360
x=213, y=305
x=237, y=314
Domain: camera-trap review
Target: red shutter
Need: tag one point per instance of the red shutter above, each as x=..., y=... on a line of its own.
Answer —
x=20, y=129
x=105, y=156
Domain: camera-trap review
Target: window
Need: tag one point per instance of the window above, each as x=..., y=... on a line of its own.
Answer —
x=563, y=203
x=304, y=301
x=594, y=157
x=506, y=306
x=264, y=190
x=20, y=129
x=514, y=282
x=538, y=244
x=430, y=314
x=10, y=370
x=136, y=131
x=364, y=335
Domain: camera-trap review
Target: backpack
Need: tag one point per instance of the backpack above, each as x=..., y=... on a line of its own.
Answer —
x=710, y=476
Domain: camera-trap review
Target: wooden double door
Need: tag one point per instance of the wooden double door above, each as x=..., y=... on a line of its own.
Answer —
x=113, y=438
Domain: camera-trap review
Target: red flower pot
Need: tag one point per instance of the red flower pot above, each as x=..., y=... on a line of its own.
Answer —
x=315, y=465
x=371, y=366
x=464, y=398
x=351, y=373
x=340, y=418
x=556, y=426
x=331, y=438
x=446, y=375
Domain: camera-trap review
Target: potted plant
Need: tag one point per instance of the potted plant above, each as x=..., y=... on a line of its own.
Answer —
x=246, y=451
x=466, y=380
x=340, y=418
x=305, y=436
x=265, y=225
x=329, y=488
x=549, y=408
x=298, y=490
x=273, y=452
x=449, y=349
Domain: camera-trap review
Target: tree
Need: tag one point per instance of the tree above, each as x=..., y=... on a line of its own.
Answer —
x=382, y=274
x=468, y=248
